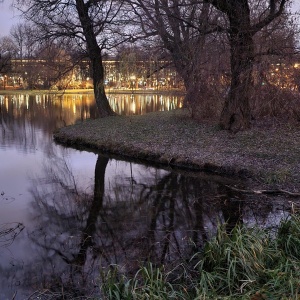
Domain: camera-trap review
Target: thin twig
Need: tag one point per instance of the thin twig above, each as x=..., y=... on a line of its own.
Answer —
x=266, y=192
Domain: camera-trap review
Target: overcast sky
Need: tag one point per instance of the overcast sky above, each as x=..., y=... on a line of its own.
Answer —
x=9, y=16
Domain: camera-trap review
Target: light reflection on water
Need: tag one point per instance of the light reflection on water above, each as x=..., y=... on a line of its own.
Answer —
x=83, y=211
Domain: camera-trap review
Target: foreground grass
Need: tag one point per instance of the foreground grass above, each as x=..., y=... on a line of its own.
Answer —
x=269, y=153
x=243, y=264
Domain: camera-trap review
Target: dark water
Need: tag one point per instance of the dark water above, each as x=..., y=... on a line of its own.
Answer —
x=66, y=215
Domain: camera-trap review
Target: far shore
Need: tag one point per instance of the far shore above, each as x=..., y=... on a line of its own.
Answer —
x=11, y=90
x=268, y=156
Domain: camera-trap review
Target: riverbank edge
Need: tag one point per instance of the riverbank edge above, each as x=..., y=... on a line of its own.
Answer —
x=175, y=140
x=91, y=91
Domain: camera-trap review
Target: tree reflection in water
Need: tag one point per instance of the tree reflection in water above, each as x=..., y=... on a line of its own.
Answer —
x=155, y=215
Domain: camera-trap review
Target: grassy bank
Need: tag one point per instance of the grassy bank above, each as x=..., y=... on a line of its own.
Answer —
x=243, y=264
x=269, y=153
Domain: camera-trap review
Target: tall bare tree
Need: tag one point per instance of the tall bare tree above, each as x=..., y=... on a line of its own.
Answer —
x=17, y=33
x=236, y=114
x=24, y=36
x=85, y=21
x=8, y=50
x=183, y=28
x=192, y=31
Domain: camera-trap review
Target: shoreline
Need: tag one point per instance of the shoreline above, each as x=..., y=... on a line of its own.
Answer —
x=90, y=91
x=268, y=157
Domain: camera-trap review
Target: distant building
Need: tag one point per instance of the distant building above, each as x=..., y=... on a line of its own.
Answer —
x=40, y=73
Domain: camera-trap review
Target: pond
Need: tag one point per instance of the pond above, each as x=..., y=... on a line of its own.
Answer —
x=66, y=215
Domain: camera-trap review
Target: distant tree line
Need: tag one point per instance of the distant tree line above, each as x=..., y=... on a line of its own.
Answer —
x=222, y=49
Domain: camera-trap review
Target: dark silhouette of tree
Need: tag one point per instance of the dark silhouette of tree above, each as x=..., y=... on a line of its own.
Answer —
x=84, y=24
x=8, y=51
x=236, y=113
x=215, y=44
x=24, y=36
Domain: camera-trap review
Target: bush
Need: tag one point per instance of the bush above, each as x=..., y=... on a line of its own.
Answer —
x=271, y=101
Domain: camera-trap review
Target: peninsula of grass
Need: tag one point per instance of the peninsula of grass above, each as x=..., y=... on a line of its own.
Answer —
x=269, y=152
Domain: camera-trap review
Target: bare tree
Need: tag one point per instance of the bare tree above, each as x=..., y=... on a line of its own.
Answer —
x=25, y=37
x=8, y=50
x=86, y=22
x=236, y=113
x=17, y=34
x=183, y=28
x=192, y=31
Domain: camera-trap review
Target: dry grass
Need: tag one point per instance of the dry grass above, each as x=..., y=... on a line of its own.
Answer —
x=269, y=152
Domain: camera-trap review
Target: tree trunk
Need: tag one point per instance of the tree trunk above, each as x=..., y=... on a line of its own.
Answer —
x=236, y=114
x=99, y=91
x=94, y=53
x=191, y=73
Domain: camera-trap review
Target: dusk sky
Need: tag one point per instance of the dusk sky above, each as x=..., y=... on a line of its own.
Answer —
x=10, y=16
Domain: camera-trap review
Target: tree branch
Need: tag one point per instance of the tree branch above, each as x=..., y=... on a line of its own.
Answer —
x=222, y=5
x=273, y=14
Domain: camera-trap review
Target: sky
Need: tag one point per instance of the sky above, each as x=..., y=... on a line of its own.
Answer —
x=10, y=16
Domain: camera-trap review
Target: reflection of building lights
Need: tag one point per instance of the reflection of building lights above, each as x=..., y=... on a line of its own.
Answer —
x=125, y=104
x=132, y=106
x=167, y=101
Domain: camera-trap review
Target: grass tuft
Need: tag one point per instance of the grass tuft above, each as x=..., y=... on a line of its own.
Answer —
x=148, y=283
x=245, y=263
